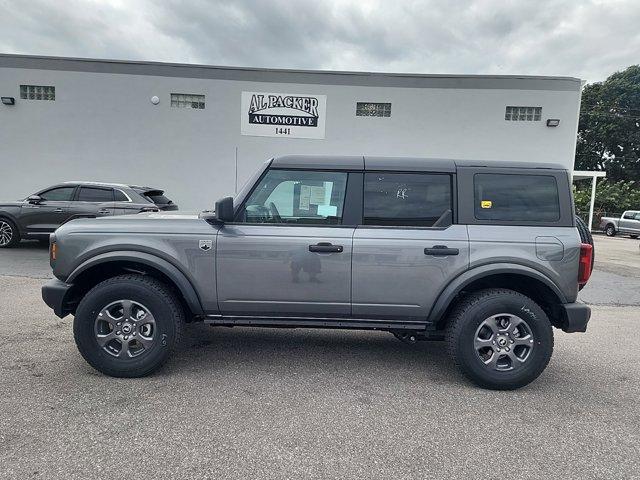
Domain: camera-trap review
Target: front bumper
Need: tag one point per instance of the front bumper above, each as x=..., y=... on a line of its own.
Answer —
x=575, y=317
x=55, y=294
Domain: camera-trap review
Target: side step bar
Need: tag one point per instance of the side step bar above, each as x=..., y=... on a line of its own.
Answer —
x=314, y=322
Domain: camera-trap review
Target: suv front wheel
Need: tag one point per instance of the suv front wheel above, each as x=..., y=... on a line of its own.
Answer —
x=9, y=235
x=500, y=339
x=127, y=326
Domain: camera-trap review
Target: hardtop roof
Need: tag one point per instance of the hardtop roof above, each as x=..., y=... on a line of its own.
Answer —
x=407, y=164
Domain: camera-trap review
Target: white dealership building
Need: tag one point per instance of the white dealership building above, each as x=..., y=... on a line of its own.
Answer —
x=199, y=131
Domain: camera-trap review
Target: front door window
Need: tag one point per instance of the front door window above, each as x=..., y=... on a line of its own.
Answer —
x=297, y=197
x=61, y=194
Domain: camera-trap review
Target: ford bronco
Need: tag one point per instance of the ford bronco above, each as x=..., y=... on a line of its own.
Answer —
x=484, y=255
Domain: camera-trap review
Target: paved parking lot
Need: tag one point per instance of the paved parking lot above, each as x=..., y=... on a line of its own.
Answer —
x=252, y=403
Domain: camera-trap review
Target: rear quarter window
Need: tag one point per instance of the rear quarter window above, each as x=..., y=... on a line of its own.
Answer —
x=120, y=196
x=512, y=197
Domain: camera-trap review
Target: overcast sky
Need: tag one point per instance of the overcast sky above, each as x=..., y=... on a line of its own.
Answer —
x=587, y=39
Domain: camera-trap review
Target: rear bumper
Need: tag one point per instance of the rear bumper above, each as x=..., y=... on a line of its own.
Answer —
x=575, y=317
x=55, y=294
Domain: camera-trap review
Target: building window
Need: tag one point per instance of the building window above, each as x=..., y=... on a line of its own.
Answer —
x=183, y=100
x=526, y=114
x=370, y=109
x=37, y=92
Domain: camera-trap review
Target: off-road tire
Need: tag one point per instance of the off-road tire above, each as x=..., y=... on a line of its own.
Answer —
x=15, y=234
x=472, y=311
x=161, y=302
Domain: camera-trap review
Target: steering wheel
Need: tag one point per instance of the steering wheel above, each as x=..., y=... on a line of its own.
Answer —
x=273, y=210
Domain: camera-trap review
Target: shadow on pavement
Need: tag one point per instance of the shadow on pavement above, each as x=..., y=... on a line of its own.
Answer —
x=310, y=351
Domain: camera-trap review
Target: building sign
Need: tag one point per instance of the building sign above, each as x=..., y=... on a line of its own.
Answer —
x=292, y=115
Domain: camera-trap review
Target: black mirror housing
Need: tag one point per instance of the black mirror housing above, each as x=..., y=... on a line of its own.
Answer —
x=224, y=209
x=34, y=199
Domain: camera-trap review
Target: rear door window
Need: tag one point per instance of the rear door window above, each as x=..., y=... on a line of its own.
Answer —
x=509, y=197
x=92, y=194
x=406, y=199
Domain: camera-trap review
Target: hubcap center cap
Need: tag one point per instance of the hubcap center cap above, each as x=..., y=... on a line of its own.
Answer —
x=127, y=328
x=502, y=341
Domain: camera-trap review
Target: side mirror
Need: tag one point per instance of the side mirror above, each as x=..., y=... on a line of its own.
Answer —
x=34, y=199
x=224, y=209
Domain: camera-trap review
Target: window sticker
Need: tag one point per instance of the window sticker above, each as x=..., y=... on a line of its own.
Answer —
x=317, y=196
x=305, y=197
x=486, y=204
x=327, y=210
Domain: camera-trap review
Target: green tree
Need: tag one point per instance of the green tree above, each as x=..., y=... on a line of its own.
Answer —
x=609, y=127
x=611, y=198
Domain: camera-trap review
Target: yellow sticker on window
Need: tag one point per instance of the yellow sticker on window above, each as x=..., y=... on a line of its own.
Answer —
x=485, y=204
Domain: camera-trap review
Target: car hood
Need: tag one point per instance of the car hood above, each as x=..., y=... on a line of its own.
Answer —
x=11, y=204
x=153, y=222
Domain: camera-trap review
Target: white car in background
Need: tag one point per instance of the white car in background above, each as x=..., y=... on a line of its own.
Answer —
x=628, y=223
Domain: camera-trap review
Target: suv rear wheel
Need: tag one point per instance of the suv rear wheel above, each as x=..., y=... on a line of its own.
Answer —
x=127, y=326
x=500, y=339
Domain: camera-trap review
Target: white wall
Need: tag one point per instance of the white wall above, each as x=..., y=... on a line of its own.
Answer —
x=103, y=127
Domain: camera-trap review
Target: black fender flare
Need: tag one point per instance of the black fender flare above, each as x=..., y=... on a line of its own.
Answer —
x=460, y=282
x=180, y=280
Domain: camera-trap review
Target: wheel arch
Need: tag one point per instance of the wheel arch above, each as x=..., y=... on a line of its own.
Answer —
x=519, y=278
x=111, y=264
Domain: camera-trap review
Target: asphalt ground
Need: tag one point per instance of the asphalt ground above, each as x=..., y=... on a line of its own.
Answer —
x=276, y=403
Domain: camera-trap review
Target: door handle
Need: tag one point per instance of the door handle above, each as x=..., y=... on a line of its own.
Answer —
x=58, y=210
x=325, y=247
x=441, y=251
x=103, y=210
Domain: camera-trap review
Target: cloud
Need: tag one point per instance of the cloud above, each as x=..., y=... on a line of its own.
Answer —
x=587, y=39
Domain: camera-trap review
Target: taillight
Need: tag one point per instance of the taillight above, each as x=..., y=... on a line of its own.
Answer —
x=586, y=256
x=53, y=251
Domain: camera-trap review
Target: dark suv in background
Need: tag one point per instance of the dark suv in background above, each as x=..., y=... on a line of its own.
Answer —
x=41, y=213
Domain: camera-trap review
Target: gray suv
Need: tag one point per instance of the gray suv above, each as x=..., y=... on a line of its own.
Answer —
x=40, y=214
x=484, y=255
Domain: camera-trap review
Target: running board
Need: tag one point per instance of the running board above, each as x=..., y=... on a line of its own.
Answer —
x=314, y=322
